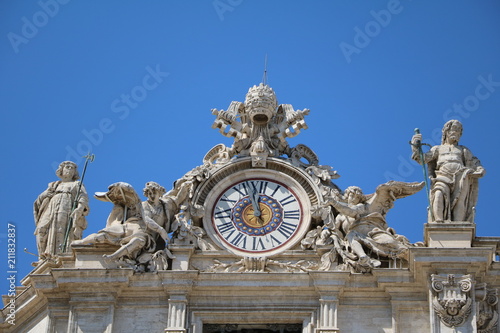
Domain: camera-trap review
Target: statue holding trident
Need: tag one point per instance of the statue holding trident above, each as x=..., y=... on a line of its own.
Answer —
x=454, y=174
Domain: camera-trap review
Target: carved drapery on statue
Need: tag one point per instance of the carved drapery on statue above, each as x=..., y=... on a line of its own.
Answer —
x=130, y=228
x=53, y=210
x=356, y=229
x=454, y=172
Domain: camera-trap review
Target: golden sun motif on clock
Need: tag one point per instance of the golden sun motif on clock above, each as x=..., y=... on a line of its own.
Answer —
x=257, y=221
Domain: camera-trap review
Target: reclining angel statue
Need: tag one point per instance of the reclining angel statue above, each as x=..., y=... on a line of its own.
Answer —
x=127, y=226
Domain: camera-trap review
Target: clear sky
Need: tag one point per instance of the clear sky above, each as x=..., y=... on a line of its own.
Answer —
x=134, y=82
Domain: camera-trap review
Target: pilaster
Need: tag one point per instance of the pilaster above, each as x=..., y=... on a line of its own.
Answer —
x=91, y=312
x=329, y=286
x=178, y=285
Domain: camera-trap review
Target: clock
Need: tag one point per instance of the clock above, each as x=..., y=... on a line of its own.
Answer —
x=256, y=215
x=257, y=212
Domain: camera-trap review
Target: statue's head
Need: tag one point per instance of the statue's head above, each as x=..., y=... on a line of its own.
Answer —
x=453, y=306
x=261, y=104
x=354, y=195
x=452, y=130
x=67, y=165
x=120, y=194
x=153, y=187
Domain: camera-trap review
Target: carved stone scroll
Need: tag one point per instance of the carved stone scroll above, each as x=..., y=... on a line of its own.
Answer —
x=452, y=300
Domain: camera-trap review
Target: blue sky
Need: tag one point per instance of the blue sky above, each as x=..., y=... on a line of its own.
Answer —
x=134, y=82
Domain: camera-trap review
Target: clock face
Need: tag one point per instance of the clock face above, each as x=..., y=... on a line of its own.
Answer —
x=257, y=216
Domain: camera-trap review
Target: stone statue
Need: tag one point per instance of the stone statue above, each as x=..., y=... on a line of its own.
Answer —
x=362, y=222
x=53, y=210
x=454, y=174
x=158, y=209
x=259, y=126
x=127, y=226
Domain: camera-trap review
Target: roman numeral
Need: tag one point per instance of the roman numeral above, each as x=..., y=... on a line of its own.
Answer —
x=275, y=190
x=238, y=239
x=292, y=214
x=225, y=227
x=274, y=240
x=257, y=242
x=286, y=229
x=289, y=199
x=263, y=187
x=241, y=186
x=252, y=185
x=223, y=213
x=226, y=199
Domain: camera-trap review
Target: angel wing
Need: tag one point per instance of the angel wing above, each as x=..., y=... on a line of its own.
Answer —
x=385, y=194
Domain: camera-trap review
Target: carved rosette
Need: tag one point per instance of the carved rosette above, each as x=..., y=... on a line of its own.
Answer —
x=451, y=298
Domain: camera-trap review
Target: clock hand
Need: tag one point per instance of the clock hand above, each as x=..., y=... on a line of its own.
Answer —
x=254, y=198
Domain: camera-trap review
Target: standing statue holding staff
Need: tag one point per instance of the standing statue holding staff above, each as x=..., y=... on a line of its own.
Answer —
x=454, y=174
x=64, y=201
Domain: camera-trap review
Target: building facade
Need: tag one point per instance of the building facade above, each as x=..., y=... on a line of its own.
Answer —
x=261, y=239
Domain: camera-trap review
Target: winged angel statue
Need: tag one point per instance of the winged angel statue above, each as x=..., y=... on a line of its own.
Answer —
x=357, y=225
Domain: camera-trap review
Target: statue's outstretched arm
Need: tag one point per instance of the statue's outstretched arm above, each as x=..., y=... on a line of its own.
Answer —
x=346, y=209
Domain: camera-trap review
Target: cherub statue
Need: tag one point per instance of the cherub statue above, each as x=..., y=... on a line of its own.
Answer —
x=454, y=173
x=127, y=225
x=53, y=211
x=158, y=209
x=362, y=220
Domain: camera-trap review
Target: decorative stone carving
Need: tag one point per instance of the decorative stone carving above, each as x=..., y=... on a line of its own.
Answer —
x=359, y=226
x=158, y=209
x=452, y=301
x=262, y=264
x=260, y=127
x=183, y=228
x=64, y=201
x=236, y=328
x=130, y=228
x=454, y=174
x=322, y=176
x=186, y=233
x=487, y=309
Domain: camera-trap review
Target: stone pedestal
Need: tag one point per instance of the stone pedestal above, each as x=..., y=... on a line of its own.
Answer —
x=449, y=234
x=182, y=255
x=91, y=256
